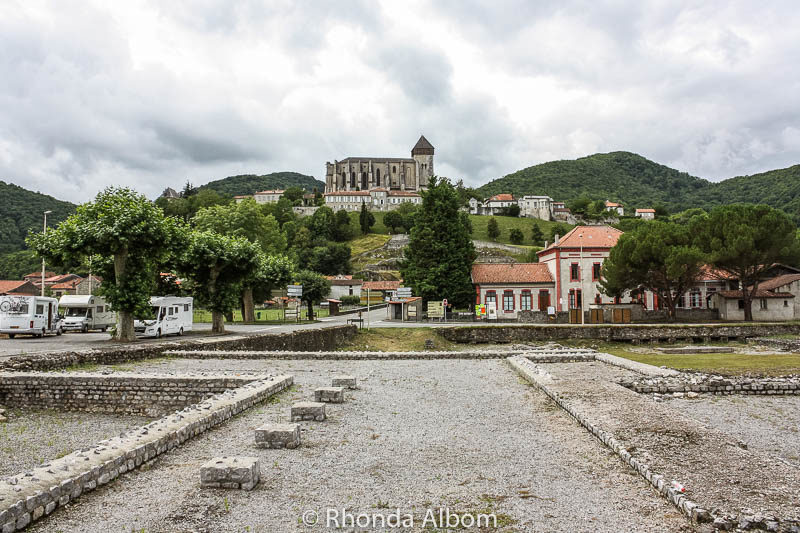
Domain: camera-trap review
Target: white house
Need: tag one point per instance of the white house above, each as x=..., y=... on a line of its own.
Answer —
x=613, y=206
x=646, y=214
x=378, y=199
x=513, y=287
x=536, y=207
x=268, y=197
x=766, y=305
x=344, y=285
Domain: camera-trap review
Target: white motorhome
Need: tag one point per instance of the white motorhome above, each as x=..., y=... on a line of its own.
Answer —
x=29, y=315
x=85, y=312
x=170, y=315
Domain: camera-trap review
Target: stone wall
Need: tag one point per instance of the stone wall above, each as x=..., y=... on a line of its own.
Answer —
x=682, y=315
x=305, y=339
x=540, y=317
x=786, y=345
x=714, y=384
x=25, y=498
x=616, y=332
x=135, y=394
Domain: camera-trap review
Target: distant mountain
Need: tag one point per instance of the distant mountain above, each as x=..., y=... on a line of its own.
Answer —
x=250, y=183
x=22, y=210
x=638, y=182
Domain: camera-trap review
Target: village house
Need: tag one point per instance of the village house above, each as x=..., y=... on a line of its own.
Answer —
x=379, y=199
x=766, y=305
x=386, y=289
x=344, y=285
x=536, y=207
x=646, y=214
x=613, y=206
x=513, y=287
x=36, y=277
x=785, y=283
x=18, y=288
x=268, y=197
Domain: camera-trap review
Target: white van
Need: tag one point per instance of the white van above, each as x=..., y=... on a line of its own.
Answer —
x=29, y=315
x=170, y=314
x=85, y=312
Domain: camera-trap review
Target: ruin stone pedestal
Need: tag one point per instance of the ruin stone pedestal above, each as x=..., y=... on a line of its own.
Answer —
x=329, y=395
x=278, y=436
x=230, y=473
x=347, y=382
x=308, y=411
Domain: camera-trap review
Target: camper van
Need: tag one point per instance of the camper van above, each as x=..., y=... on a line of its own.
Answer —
x=29, y=315
x=169, y=315
x=82, y=313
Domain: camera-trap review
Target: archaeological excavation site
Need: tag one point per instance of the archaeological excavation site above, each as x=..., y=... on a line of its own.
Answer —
x=328, y=429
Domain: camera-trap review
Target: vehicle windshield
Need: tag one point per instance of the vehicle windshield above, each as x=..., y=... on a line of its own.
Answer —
x=14, y=306
x=76, y=311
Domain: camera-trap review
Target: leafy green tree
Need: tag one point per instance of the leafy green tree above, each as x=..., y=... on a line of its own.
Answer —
x=303, y=246
x=440, y=252
x=465, y=221
x=315, y=288
x=560, y=229
x=408, y=211
x=511, y=211
x=657, y=256
x=331, y=259
x=536, y=234
x=131, y=235
x=321, y=223
x=289, y=229
x=218, y=265
x=581, y=204
x=516, y=236
x=281, y=210
x=745, y=240
x=294, y=195
x=14, y=265
x=393, y=220
x=342, y=229
x=186, y=208
x=274, y=271
x=685, y=217
x=244, y=219
x=188, y=190
x=366, y=219
x=492, y=228
x=596, y=208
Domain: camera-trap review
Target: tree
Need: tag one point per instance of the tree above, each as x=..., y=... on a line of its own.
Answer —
x=744, y=241
x=597, y=208
x=393, y=220
x=321, y=223
x=281, y=210
x=244, y=219
x=440, y=252
x=657, y=256
x=366, y=219
x=315, y=288
x=342, y=229
x=408, y=211
x=132, y=237
x=218, y=265
x=559, y=229
x=492, y=229
x=511, y=211
x=536, y=234
x=294, y=195
x=581, y=204
x=274, y=271
x=188, y=190
x=516, y=236
x=331, y=259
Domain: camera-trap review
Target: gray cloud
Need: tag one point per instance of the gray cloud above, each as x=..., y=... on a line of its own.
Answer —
x=151, y=96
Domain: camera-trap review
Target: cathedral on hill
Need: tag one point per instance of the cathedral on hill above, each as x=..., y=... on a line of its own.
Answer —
x=387, y=173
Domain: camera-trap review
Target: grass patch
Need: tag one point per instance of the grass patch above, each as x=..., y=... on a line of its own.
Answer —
x=397, y=340
x=366, y=243
x=267, y=316
x=506, y=224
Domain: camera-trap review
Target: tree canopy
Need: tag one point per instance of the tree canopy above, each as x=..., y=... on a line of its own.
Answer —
x=315, y=288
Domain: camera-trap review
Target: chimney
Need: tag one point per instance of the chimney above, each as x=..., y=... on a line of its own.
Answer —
x=555, y=239
x=546, y=244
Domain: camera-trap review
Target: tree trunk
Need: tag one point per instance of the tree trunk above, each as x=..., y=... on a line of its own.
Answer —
x=125, y=332
x=217, y=322
x=248, y=307
x=310, y=310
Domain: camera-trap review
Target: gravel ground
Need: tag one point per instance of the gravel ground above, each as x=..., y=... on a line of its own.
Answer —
x=468, y=435
x=767, y=423
x=716, y=471
x=30, y=437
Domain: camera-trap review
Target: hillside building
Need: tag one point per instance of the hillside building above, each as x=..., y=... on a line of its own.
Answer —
x=646, y=214
x=614, y=206
x=536, y=207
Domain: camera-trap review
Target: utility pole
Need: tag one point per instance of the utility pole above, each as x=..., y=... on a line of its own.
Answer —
x=580, y=277
x=44, y=231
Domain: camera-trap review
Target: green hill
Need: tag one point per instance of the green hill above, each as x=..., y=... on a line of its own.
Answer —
x=638, y=182
x=250, y=183
x=22, y=210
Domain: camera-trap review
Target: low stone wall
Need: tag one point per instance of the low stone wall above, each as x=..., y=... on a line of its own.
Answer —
x=305, y=339
x=334, y=356
x=135, y=394
x=786, y=345
x=713, y=384
x=617, y=332
x=25, y=498
x=540, y=317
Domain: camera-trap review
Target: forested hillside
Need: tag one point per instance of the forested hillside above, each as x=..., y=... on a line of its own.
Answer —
x=22, y=210
x=250, y=183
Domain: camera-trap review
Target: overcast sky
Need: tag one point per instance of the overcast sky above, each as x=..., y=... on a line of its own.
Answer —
x=150, y=94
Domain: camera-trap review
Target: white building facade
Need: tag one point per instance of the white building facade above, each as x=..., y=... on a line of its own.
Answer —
x=536, y=207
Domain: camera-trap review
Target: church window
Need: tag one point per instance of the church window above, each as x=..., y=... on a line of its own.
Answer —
x=394, y=169
x=378, y=176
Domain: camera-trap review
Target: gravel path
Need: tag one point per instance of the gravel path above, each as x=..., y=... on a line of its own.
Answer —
x=30, y=438
x=715, y=470
x=767, y=423
x=468, y=435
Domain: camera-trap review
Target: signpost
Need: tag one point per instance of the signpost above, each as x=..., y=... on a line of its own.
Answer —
x=435, y=310
x=293, y=291
x=404, y=292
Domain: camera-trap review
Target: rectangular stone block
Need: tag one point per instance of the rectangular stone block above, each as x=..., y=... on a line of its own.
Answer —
x=278, y=436
x=329, y=395
x=308, y=411
x=348, y=382
x=231, y=472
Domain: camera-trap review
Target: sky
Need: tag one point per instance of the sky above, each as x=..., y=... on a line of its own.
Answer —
x=152, y=94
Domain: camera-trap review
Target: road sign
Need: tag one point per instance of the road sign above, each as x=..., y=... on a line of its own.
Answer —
x=404, y=292
x=444, y=302
x=294, y=290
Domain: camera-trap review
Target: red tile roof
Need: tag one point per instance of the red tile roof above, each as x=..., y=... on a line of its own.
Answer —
x=645, y=210
x=270, y=192
x=403, y=193
x=347, y=193
x=612, y=204
x=760, y=293
x=67, y=284
x=47, y=274
x=8, y=286
x=709, y=273
x=593, y=237
x=780, y=281
x=503, y=197
x=381, y=285
x=510, y=273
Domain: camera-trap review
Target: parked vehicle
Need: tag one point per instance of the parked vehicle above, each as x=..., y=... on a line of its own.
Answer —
x=170, y=315
x=29, y=315
x=82, y=313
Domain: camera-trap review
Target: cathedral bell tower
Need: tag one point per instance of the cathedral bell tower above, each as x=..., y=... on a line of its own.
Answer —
x=422, y=153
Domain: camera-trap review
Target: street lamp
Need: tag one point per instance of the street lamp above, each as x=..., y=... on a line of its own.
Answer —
x=580, y=280
x=45, y=232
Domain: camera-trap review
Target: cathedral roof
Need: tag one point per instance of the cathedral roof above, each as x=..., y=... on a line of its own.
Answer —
x=422, y=143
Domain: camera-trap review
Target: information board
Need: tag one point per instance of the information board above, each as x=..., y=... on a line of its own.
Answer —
x=435, y=310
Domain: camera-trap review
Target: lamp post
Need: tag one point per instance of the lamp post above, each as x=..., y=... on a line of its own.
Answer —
x=45, y=232
x=580, y=280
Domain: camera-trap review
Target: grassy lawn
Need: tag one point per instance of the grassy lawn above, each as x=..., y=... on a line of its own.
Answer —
x=720, y=363
x=397, y=340
x=366, y=243
x=267, y=315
